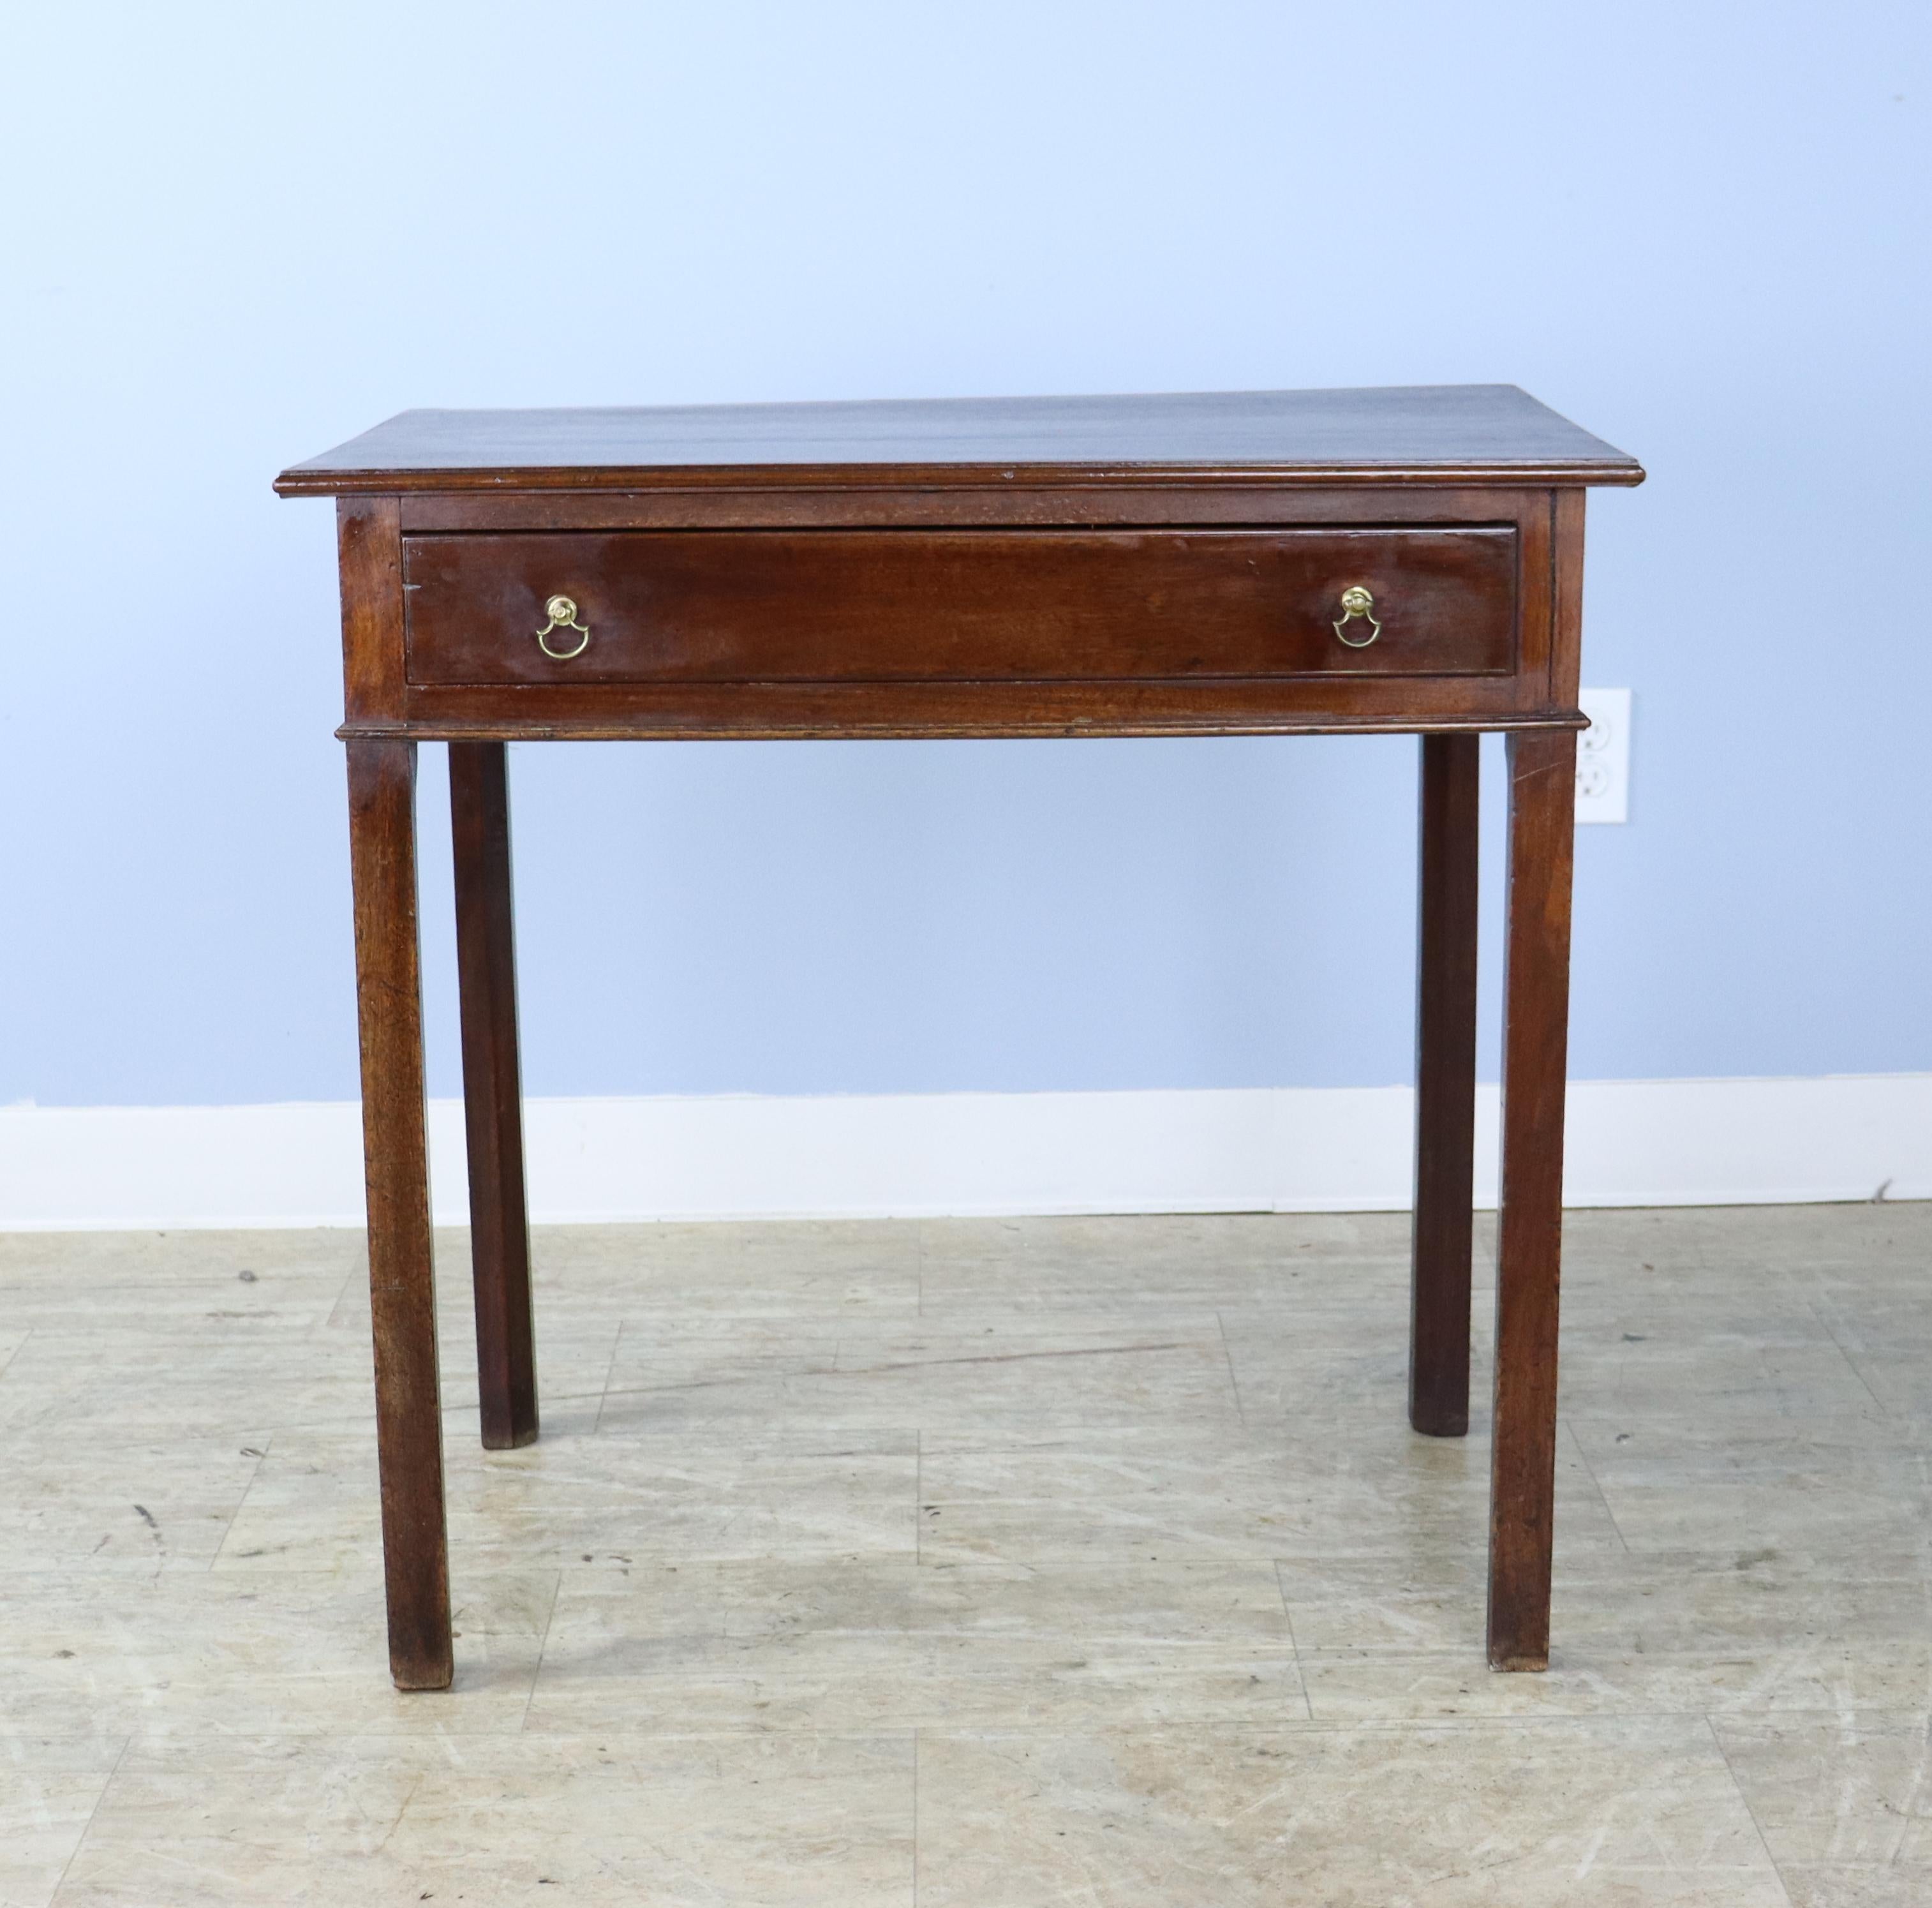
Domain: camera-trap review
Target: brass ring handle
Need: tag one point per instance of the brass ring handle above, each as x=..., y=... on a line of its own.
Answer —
x=1356, y=601
x=562, y=611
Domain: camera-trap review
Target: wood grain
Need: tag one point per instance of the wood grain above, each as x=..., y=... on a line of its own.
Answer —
x=1029, y=504
x=981, y=605
x=1440, y=433
x=499, y=1243
x=1445, y=1086
x=369, y=553
x=1320, y=701
x=1566, y=647
x=1529, y=1226
x=402, y=1283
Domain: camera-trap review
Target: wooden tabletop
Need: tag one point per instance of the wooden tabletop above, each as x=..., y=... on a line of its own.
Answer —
x=1477, y=433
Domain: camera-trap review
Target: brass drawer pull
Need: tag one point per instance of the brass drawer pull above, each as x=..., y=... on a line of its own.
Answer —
x=562, y=611
x=1356, y=601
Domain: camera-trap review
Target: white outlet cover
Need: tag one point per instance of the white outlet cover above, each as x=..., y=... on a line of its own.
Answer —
x=1603, y=757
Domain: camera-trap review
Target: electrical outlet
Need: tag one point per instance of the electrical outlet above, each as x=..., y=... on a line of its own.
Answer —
x=1603, y=756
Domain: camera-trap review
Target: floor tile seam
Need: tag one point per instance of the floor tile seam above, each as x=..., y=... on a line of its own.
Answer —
x=1851, y=1361
x=1187, y=1731
x=572, y=1397
x=604, y=1396
x=350, y=1278
x=336, y=1738
x=1196, y=1729
x=1887, y=1640
x=240, y=1751
x=268, y=1445
x=543, y=1644
x=1228, y=1352
x=1190, y=1728
x=1859, y=1712
x=915, y=1819
x=1035, y=1344
x=1757, y=1827
x=1860, y=1869
x=907, y=1574
x=87, y=1827
x=267, y=1576
x=168, y=1334
x=1596, y=1482
x=185, y=1744
x=958, y=1652
x=913, y=1569
x=887, y=1417
x=25, y=1336
x=359, y=1425
x=794, y=1438
x=1288, y=1617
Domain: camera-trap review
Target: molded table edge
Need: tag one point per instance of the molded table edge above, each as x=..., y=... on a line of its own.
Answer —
x=298, y=481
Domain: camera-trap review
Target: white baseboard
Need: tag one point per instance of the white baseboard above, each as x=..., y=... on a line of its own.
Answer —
x=1288, y=1149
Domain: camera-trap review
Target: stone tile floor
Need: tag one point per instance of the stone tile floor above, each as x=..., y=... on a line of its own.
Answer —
x=987, y=1562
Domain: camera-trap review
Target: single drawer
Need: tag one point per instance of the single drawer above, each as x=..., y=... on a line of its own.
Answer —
x=852, y=606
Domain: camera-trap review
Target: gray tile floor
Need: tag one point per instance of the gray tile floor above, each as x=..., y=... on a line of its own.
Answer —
x=998, y=1563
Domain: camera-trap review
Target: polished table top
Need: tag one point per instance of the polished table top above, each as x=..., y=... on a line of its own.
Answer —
x=1465, y=433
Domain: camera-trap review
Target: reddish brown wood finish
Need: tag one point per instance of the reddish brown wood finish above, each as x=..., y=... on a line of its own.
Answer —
x=369, y=552
x=402, y=1282
x=1033, y=505
x=711, y=711
x=1355, y=699
x=1529, y=1234
x=883, y=606
x=1117, y=629
x=1406, y=434
x=500, y=1244
x=1445, y=1088
x=1566, y=596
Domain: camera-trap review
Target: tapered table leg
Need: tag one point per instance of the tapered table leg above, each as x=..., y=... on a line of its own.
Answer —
x=402, y=1282
x=499, y=1244
x=1529, y=1229
x=1445, y=1088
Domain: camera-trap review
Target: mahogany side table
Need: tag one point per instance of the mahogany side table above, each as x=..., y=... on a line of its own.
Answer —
x=1228, y=563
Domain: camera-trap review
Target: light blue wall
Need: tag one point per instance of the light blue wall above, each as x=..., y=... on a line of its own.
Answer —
x=235, y=234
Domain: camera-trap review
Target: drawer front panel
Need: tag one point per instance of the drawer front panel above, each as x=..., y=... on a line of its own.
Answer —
x=854, y=606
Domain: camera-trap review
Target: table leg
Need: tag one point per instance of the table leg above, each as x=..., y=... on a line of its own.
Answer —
x=402, y=1280
x=1529, y=1226
x=1445, y=1088
x=500, y=1242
